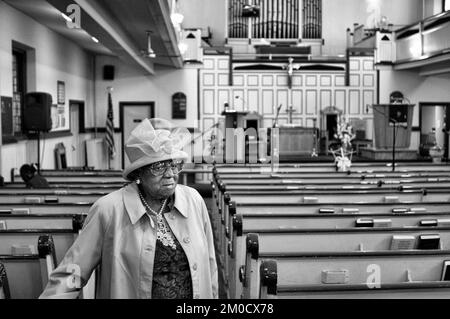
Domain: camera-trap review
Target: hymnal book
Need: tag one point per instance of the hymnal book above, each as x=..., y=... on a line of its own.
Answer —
x=2, y=225
x=431, y=241
x=446, y=271
x=326, y=210
x=380, y=223
x=20, y=211
x=23, y=250
x=51, y=199
x=429, y=222
x=364, y=222
x=32, y=200
x=402, y=242
x=335, y=276
x=399, y=210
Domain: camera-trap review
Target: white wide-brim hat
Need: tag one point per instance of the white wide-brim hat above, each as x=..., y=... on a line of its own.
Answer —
x=153, y=141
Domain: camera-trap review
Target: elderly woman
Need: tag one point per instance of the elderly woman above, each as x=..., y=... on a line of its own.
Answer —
x=151, y=238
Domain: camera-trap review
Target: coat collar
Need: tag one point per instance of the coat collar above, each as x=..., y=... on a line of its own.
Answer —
x=136, y=209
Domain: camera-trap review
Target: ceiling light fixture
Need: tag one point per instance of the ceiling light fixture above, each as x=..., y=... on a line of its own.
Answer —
x=94, y=39
x=149, y=53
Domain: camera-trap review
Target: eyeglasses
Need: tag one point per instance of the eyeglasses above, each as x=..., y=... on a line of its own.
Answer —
x=160, y=168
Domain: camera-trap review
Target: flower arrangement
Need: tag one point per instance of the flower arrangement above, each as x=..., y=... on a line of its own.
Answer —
x=343, y=155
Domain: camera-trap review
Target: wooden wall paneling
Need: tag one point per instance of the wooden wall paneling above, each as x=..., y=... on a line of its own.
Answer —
x=311, y=80
x=282, y=80
x=311, y=102
x=223, y=96
x=354, y=80
x=325, y=99
x=368, y=100
x=238, y=80
x=267, y=80
x=297, y=80
x=253, y=100
x=282, y=98
x=339, y=80
x=267, y=102
x=222, y=79
x=368, y=64
x=325, y=80
x=340, y=99
x=368, y=80
x=354, y=102
x=355, y=65
x=222, y=64
x=208, y=79
x=239, y=102
x=208, y=102
x=297, y=101
x=252, y=80
x=208, y=64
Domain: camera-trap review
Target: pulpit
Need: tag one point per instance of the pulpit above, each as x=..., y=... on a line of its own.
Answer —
x=390, y=119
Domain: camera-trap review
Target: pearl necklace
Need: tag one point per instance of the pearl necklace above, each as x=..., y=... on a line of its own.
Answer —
x=163, y=233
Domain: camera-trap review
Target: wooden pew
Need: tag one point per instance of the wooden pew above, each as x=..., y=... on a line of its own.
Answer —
x=28, y=274
x=254, y=222
x=45, y=208
x=72, y=197
x=304, y=265
x=57, y=189
x=331, y=167
x=42, y=221
x=413, y=275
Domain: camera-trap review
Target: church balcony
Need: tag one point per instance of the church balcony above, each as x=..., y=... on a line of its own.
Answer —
x=423, y=46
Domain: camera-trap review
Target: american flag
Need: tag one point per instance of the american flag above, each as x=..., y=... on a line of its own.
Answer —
x=109, y=136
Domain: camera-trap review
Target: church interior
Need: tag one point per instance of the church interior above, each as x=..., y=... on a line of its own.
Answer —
x=319, y=135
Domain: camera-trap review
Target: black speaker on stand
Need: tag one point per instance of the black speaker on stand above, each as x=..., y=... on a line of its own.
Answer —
x=36, y=116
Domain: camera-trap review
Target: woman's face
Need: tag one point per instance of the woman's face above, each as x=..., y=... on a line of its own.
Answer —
x=159, y=179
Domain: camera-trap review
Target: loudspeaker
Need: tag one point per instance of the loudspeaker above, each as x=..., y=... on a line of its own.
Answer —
x=108, y=72
x=36, y=114
x=398, y=114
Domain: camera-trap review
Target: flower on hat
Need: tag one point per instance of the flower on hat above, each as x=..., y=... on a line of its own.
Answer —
x=148, y=144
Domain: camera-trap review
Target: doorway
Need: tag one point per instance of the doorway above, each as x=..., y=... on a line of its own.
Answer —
x=131, y=114
x=434, y=127
x=77, y=149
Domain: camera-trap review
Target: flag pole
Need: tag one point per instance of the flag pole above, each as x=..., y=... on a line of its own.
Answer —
x=109, y=89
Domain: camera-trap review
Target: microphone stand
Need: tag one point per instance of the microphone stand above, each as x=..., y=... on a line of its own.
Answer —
x=275, y=124
x=393, y=145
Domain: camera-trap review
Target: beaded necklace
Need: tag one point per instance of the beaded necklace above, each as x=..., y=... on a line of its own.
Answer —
x=163, y=233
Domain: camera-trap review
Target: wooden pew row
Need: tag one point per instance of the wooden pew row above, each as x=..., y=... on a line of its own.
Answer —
x=72, y=184
x=28, y=274
x=99, y=177
x=327, y=243
x=409, y=275
x=315, y=230
x=222, y=217
x=18, y=197
x=34, y=221
x=56, y=190
x=331, y=167
x=45, y=208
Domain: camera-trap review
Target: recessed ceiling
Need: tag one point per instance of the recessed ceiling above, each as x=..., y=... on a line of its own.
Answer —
x=46, y=14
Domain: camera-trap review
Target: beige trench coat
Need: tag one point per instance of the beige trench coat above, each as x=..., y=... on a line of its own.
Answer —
x=118, y=236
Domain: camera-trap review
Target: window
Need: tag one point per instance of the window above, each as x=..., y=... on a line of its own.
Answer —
x=446, y=5
x=19, y=88
x=277, y=19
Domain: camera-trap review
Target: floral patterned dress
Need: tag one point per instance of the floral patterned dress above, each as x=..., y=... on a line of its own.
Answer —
x=171, y=273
